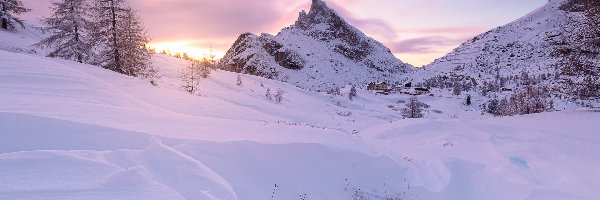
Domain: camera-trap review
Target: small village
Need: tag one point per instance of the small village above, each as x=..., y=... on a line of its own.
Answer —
x=384, y=88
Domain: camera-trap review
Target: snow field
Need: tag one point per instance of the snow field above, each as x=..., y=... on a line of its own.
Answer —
x=74, y=131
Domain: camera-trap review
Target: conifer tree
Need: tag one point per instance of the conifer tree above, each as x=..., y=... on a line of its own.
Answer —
x=352, y=93
x=469, y=102
x=191, y=76
x=239, y=81
x=69, y=28
x=120, y=38
x=106, y=16
x=136, y=57
x=8, y=10
x=268, y=94
x=279, y=95
x=456, y=89
x=413, y=109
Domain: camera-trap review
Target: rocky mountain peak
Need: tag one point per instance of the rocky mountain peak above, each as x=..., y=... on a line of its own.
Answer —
x=324, y=24
x=319, y=13
x=320, y=52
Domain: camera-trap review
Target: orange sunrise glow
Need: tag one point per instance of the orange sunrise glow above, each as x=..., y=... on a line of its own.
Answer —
x=185, y=46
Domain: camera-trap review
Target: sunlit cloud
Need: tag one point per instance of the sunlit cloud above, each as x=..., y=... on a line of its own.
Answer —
x=423, y=45
x=450, y=30
x=377, y=28
x=421, y=51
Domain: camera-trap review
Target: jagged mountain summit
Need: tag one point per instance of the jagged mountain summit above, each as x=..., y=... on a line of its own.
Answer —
x=319, y=52
x=525, y=45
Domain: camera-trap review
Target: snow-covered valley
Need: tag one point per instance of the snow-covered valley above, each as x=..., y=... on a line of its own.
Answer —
x=75, y=131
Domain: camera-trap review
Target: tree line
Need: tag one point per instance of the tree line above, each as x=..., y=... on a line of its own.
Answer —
x=578, y=50
x=106, y=33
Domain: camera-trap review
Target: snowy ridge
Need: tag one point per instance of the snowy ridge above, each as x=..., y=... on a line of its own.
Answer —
x=520, y=46
x=320, y=52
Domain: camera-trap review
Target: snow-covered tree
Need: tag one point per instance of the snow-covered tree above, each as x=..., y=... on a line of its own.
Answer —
x=191, y=76
x=528, y=100
x=107, y=14
x=531, y=99
x=503, y=107
x=121, y=39
x=413, y=109
x=352, y=93
x=492, y=107
x=239, y=82
x=456, y=89
x=68, y=27
x=8, y=11
x=279, y=95
x=137, y=58
x=268, y=94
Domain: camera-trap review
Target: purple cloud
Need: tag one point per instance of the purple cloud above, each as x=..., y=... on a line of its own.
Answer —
x=206, y=18
x=377, y=27
x=423, y=45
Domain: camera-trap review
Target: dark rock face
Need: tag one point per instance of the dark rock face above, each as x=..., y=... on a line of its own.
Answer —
x=237, y=64
x=354, y=46
x=251, y=47
x=244, y=64
x=283, y=57
x=319, y=51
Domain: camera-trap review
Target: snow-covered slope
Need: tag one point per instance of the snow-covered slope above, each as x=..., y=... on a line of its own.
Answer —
x=75, y=131
x=524, y=45
x=21, y=39
x=321, y=51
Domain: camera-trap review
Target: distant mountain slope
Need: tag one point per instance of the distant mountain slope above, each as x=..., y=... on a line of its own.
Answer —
x=523, y=45
x=321, y=51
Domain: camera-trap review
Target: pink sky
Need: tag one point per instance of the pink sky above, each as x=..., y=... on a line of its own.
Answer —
x=416, y=31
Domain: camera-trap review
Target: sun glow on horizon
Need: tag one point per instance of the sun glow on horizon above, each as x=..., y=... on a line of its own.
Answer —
x=189, y=47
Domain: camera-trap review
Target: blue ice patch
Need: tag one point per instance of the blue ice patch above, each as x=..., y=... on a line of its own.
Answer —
x=522, y=164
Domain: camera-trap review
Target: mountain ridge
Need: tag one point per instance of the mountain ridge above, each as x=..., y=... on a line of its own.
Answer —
x=524, y=45
x=319, y=52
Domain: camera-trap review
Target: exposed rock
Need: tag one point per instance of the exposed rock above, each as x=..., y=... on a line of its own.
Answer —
x=320, y=51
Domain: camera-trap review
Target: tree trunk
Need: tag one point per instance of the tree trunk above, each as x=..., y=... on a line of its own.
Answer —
x=77, y=37
x=116, y=54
